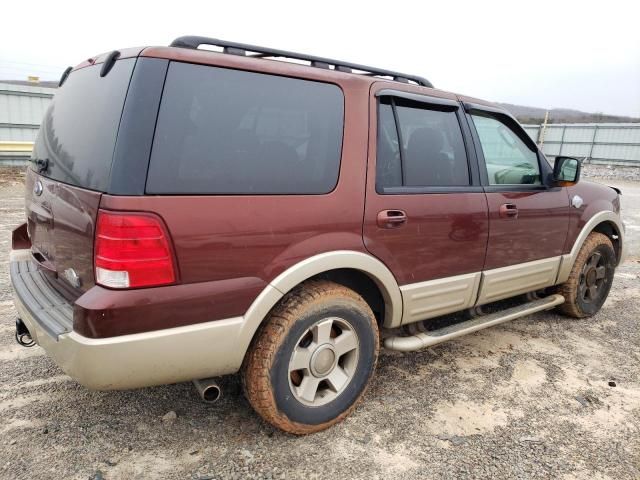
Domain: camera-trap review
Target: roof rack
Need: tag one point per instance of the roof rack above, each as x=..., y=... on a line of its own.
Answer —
x=255, y=51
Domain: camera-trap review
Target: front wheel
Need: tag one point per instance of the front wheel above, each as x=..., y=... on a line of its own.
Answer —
x=312, y=360
x=590, y=279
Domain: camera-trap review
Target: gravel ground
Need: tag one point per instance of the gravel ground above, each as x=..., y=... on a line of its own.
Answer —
x=540, y=397
x=609, y=172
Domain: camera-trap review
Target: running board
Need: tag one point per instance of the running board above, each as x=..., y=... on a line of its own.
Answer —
x=427, y=339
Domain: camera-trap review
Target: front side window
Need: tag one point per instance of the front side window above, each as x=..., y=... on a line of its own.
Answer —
x=224, y=131
x=424, y=148
x=509, y=160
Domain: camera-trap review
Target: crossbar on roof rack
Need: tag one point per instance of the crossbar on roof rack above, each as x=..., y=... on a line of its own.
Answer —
x=235, y=48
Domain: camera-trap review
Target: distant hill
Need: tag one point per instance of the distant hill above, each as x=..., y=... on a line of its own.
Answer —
x=534, y=115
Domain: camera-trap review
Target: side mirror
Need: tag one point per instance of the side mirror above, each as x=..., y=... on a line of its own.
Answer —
x=566, y=170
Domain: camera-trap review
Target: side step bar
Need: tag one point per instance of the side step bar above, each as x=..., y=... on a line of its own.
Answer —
x=427, y=339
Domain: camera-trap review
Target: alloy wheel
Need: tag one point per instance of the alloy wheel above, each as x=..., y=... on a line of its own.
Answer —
x=323, y=361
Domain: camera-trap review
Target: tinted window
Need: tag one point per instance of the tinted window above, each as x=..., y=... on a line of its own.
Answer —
x=508, y=159
x=79, y=129
x=432, y=149
x=388, y=167
x=233, y=132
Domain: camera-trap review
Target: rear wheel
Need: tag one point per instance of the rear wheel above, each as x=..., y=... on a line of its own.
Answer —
x=312, y=360
x=590, y=279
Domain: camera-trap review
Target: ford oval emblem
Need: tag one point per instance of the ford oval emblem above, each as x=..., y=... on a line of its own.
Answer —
x=38, y=188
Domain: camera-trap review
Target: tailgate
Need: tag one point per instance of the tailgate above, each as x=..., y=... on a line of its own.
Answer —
x=71, y=167
x=60, y=222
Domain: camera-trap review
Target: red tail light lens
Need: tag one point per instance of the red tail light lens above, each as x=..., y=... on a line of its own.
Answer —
x=132, y=250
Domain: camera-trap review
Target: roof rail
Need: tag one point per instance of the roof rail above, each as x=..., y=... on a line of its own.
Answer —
x=255, y=51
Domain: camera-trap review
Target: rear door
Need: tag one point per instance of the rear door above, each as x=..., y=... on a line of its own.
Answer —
x=528, y=220
x=426, y=213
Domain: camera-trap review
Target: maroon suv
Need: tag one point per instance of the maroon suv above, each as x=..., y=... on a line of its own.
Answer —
x=192, y=214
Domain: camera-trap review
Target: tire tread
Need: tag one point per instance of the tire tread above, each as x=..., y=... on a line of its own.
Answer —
x=569, y=289
x=256, y=377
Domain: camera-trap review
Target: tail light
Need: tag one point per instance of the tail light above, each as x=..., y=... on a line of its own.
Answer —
x=132, y=250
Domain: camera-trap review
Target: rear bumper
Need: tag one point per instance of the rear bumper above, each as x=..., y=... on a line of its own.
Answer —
x=137, y=360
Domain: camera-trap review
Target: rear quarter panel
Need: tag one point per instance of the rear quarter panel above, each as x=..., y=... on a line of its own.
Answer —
x=239, y=243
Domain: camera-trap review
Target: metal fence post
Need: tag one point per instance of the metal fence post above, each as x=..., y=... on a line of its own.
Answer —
x=593, y=142
x=564, y=129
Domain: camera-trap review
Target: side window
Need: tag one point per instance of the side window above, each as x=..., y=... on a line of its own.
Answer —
x=508, y=159
x=388, y=167
x=425, y=149
x=224, y=131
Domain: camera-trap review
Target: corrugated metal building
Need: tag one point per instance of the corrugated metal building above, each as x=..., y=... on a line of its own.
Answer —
x=22, y=107
x=600, y=143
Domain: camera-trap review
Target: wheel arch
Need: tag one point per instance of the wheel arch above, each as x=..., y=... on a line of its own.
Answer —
x=611, y=230
x=344, y=267
x=607, y=223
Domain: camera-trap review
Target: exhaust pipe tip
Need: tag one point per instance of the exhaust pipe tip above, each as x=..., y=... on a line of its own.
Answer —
x=208, y=389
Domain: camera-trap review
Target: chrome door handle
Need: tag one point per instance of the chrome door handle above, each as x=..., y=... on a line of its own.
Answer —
x=391, y=218
x=508, y=210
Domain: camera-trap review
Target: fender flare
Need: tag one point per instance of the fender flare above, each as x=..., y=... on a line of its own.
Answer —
x=298, y=273
x=569, y=259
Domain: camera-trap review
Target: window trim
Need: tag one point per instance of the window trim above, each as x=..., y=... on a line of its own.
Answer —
x=418, y=190
x=510, y=123
x=469, y=147
x=396, y=120
x=428, y=99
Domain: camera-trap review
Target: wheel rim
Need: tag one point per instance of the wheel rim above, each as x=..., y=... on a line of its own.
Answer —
x=323, y=361
x=593, y=278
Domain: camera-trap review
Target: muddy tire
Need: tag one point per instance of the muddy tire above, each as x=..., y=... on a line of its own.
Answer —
x=312, y=359
x=590, y=279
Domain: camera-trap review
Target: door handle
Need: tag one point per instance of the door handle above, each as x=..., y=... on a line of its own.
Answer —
x=508, y=210
x=391, y=218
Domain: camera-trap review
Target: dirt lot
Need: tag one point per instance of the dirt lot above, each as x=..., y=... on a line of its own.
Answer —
x=541, y=397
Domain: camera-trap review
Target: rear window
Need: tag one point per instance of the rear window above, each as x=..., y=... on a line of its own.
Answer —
x=79, y=129
x=223, y=131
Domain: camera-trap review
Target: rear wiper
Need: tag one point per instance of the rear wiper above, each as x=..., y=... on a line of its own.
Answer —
x=42, y=164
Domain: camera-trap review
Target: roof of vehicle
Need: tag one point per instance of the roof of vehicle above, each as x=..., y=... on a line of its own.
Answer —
x=279, y=62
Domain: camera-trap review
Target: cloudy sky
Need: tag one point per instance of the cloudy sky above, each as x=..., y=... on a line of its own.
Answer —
x=583, y=55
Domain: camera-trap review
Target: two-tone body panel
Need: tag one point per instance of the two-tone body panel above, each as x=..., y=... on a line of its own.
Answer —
x=424, y=250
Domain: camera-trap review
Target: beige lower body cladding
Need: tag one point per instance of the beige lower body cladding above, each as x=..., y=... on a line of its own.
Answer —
x=433, y=298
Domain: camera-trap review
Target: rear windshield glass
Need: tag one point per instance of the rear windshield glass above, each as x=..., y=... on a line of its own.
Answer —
x=78, y=132
x=223, y=131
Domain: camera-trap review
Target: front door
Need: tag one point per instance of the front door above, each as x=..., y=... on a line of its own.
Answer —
x=528, y=220
x=426, y=212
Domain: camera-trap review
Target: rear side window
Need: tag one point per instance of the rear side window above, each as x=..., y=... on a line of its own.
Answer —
x=425, y=149
x=78, y=132
x=223, y=131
